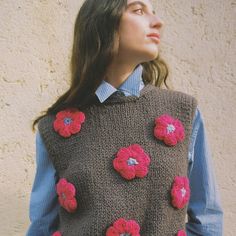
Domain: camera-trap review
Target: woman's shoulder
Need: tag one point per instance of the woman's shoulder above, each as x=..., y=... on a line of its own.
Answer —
x=45, y=124
x=175, y=95
x=44, y=120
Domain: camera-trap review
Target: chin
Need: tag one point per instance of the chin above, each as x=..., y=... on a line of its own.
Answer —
x=151, y=56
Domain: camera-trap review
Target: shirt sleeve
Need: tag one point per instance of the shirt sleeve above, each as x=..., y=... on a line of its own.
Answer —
x=205, y=214
x=43, y=209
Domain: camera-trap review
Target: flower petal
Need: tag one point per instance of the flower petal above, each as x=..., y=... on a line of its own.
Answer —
x=57, y=233
x=70, y=205
x=136, y=148
x=122, y=226
x=141, y=171
x=181, y=233
x=132, y=227
x=112, y=231
x=128, y=174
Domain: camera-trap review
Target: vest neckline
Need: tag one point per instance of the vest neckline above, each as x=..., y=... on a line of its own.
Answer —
x=117, y=98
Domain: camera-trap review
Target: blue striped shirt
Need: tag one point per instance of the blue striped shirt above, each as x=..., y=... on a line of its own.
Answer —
x=204, y=213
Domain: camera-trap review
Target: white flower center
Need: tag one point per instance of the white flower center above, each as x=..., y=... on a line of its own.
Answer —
x=131, y=161
x=183, y=191
x=170, y=128
x=67, y=121
x=63, y=196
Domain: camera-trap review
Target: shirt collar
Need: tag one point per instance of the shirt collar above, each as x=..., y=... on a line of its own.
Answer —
x=131, y=85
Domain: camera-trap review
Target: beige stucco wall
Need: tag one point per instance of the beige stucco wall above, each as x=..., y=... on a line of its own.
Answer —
x=35, y=41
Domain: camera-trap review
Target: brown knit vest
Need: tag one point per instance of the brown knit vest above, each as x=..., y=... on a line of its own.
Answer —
x=103, y=195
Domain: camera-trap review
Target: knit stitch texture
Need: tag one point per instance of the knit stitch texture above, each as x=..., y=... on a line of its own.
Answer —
x=85, y=160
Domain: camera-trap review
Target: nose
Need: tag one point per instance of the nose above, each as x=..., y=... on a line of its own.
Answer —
x=157, y=21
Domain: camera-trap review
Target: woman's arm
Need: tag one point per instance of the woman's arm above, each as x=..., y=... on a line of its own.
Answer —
x=205, y=214
x=43, y=210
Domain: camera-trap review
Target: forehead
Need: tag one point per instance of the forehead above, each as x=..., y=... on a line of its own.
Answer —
x=143, y=3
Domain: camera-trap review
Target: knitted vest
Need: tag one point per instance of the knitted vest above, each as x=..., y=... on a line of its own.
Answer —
x=102, y=193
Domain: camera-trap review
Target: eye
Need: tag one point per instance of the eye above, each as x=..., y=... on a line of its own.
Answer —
x=139, y=10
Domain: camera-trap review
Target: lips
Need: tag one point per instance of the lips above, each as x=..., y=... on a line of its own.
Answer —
x=154, y=35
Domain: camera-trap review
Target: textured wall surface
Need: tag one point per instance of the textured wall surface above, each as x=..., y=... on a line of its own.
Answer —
x=35, y=42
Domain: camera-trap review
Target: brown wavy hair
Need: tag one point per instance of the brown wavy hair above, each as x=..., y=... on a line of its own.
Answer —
x=95, y=30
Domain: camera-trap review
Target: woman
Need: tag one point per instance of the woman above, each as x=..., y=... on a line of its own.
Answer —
x=117, y=154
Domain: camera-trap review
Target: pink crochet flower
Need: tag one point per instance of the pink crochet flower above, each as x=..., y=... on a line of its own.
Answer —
x=122, y=227
x=181, y=233
x=131, y=161
x=180, y=191
x=168, y=129
x=68, y=122
x=57, y=233
x=66, y=192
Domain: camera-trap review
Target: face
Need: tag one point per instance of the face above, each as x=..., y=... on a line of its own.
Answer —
x=138, y=20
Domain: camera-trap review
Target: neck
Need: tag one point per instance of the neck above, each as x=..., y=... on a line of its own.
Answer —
x=118, y=72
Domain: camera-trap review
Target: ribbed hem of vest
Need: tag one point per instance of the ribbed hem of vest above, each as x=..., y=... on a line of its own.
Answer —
x=114, y=98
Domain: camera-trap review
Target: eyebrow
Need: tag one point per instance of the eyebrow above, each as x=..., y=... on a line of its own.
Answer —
x=139, y=2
